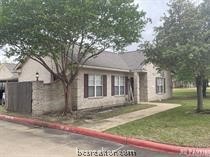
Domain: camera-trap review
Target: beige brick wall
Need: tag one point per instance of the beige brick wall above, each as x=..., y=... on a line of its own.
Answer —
x=47, y=97
x=50, y=97
x=136, y=86
x=84, y=103
x=151, y=76
x=143, y=87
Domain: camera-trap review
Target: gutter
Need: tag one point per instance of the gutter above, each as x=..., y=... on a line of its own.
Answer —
x=112, y=69
x=104, y=68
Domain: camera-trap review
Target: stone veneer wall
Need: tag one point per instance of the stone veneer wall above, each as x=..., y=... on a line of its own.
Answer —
x=47, y=97
x=152, y=73
x=50, y=97
x=143, y=87
x=103, y=101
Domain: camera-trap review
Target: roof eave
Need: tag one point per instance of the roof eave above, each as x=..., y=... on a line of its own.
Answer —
x=105, y=68
x=8, y=79
x=138, y=70
x=18, y=66
x=112, y=69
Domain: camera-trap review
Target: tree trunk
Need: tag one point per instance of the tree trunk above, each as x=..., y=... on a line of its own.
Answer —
x=67, y=92
x=199, y=84
x=205, y=85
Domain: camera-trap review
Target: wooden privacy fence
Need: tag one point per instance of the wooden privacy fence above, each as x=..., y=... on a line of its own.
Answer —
x=19, y=97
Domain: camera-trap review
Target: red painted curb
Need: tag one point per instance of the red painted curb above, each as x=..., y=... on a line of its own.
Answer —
x=116, y=138
x=154, y=145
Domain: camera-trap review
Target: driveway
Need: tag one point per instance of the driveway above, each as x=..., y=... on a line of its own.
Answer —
x=27, y=141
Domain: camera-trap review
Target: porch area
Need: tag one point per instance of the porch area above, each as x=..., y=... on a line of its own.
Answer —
x=138, y=88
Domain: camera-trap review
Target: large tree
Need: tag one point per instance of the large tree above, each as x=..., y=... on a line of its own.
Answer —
x=182, y=44
x=69, y=32
x=205, y=12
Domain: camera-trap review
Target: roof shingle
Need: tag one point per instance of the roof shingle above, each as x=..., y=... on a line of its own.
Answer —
x=124, y=61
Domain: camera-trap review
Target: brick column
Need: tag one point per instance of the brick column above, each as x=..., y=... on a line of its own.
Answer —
x=143, y=89
x=136, y=87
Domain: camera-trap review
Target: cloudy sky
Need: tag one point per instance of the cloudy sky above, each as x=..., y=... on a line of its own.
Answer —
x=154, y=9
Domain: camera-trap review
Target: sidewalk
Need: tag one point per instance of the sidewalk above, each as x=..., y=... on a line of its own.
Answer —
x=105, y=124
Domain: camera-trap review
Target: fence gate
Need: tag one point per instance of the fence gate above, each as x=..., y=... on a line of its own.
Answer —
x=19, y=97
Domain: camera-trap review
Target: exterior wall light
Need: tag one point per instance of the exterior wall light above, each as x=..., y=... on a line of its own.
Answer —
x=37, y=76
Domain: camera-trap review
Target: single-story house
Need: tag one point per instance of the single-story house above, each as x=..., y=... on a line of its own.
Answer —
x=7, y=74
x=107, y=80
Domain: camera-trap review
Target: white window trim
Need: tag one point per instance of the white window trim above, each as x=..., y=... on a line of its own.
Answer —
x=159, y=86
x=119, y=85
x=95, y=95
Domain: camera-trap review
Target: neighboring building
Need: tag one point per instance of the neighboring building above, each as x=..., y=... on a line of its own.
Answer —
x=183, y=84
x=7, y=74
x=109, y=79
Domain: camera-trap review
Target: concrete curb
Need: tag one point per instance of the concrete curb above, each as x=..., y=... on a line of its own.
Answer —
x=115, y=138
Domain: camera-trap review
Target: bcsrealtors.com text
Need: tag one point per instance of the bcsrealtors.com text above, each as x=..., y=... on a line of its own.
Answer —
x=105, y=153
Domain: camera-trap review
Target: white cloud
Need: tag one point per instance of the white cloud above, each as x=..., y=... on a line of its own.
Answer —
x=154, y=9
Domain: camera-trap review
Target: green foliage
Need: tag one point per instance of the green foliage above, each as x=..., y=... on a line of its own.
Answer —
x=68, y=32
x=182, y=42
x=42, y=27
x=64, y=28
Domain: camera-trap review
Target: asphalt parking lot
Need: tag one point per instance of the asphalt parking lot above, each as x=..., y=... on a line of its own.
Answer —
x=29, y=141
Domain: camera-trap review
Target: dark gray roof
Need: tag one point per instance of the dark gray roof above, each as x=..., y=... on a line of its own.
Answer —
x=108, y=60
x=134, y=60
x=124, y=61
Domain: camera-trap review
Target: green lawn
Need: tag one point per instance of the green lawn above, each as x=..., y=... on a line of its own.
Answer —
x=179, y=126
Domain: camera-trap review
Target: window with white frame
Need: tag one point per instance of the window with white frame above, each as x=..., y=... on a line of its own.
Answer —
x=95, y=85
x=119, y=85
x=160, y=85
